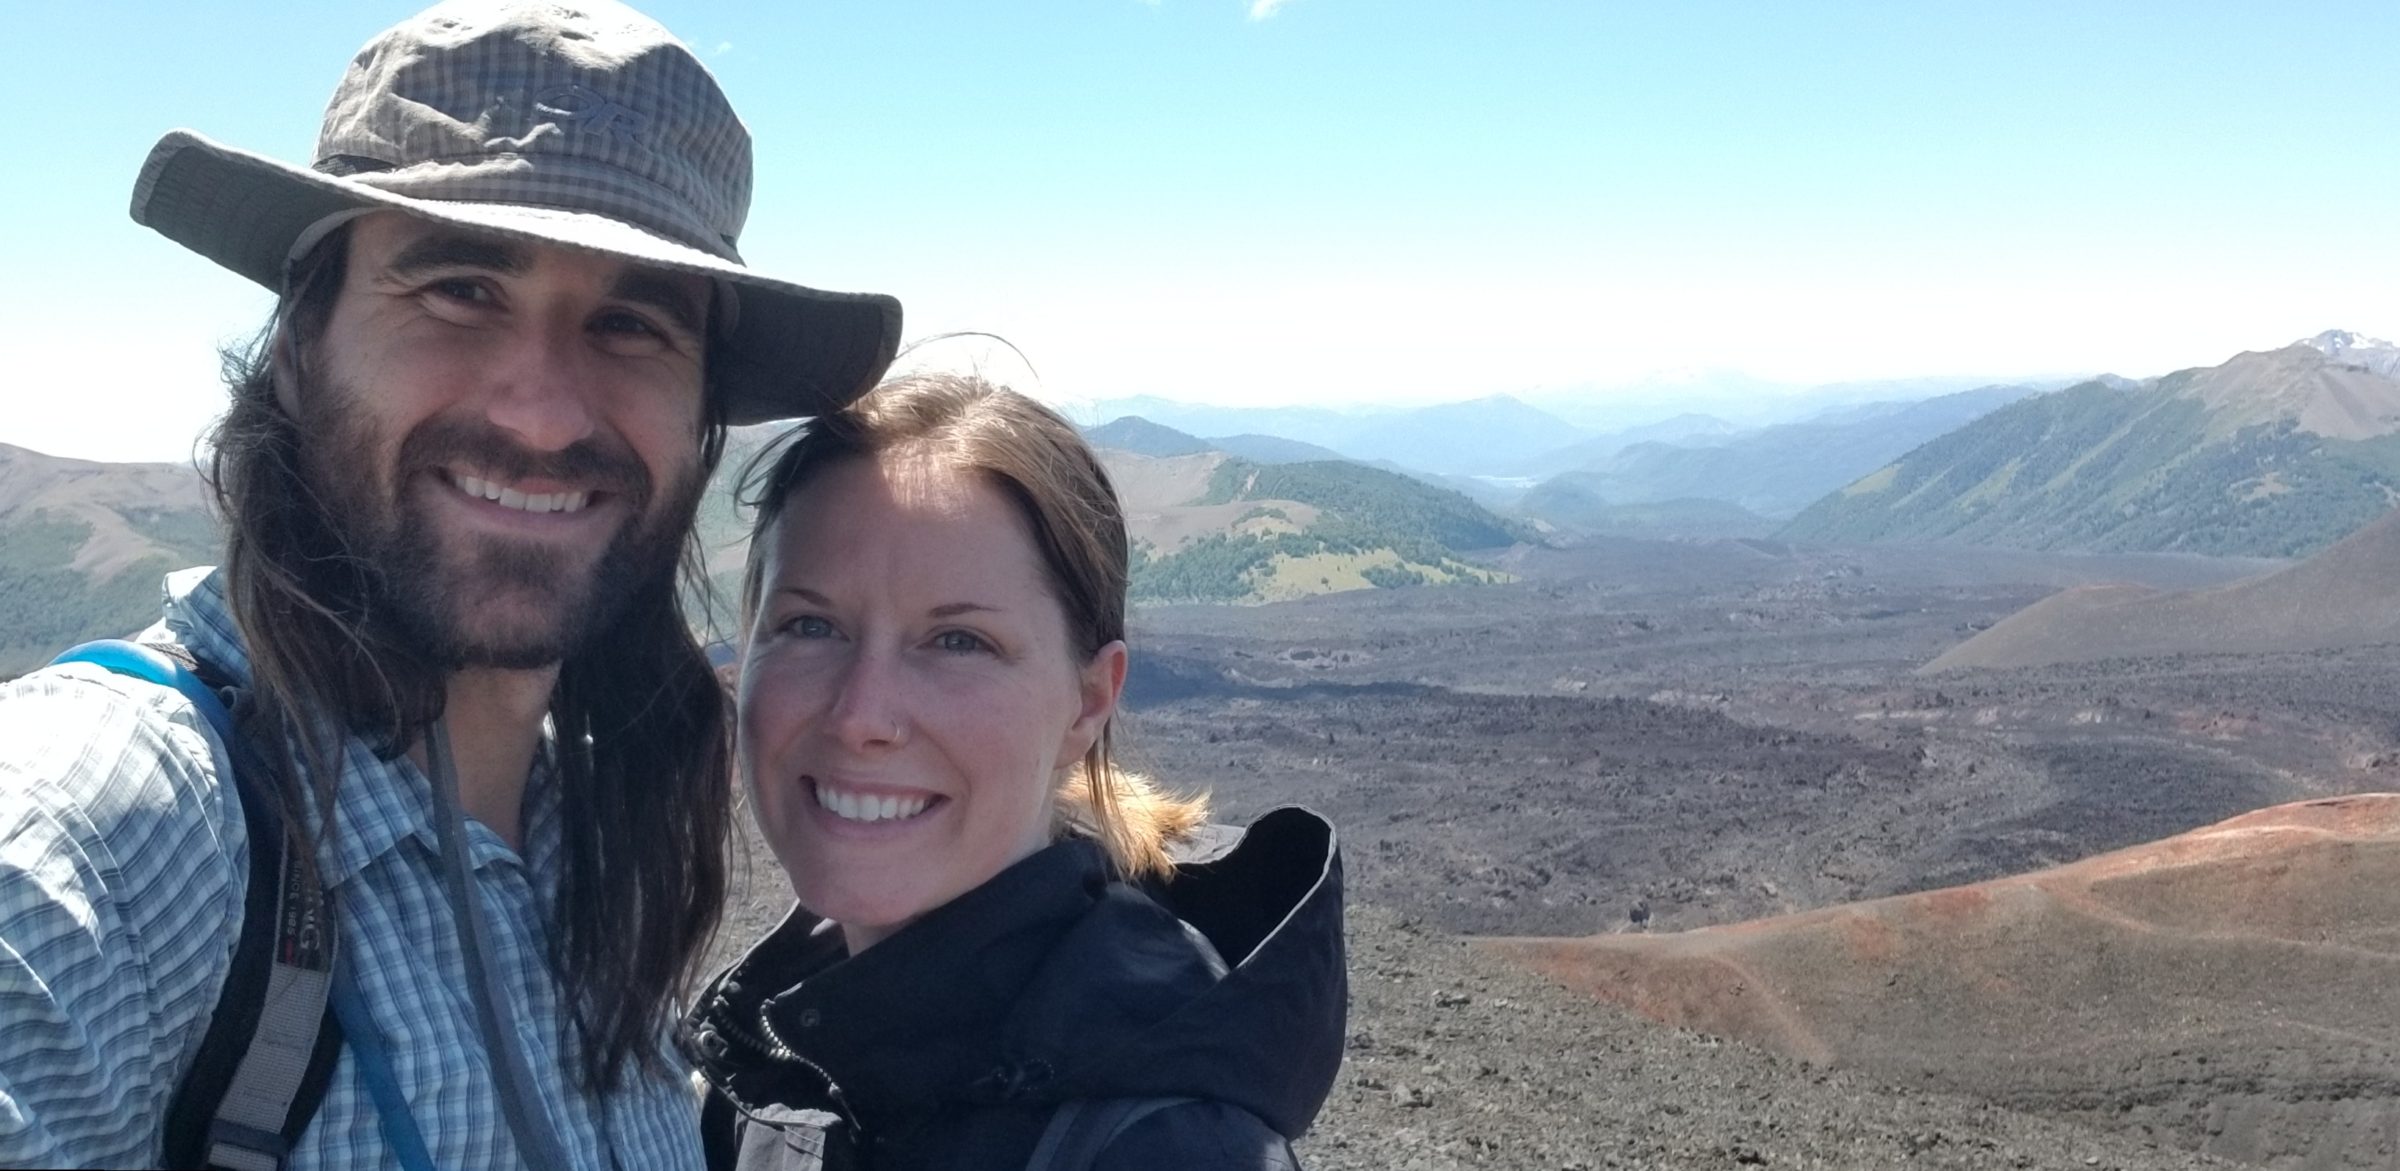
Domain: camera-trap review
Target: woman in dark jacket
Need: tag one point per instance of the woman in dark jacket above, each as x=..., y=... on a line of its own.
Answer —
x=1015, y=954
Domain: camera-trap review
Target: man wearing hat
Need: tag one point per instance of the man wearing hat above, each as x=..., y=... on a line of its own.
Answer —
x=457, y=479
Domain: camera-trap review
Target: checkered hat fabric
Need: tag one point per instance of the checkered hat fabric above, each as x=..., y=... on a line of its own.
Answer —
x=572, y=122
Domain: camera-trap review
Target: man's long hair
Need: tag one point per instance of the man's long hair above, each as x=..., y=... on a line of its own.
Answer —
x=638, y=716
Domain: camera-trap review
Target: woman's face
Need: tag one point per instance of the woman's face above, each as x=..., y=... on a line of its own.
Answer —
x=909, y=695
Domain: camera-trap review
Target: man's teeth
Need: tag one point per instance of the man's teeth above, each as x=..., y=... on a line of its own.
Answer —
x=860, y=807
x=511, y=498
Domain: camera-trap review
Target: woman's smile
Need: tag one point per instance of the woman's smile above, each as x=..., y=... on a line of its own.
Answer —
x=850, y=805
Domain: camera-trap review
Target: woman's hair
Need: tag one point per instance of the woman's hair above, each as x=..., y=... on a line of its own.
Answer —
x=641, y=739
x=1038, y=463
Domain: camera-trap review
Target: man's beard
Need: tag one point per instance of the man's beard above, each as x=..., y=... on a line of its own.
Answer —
x=436, y=594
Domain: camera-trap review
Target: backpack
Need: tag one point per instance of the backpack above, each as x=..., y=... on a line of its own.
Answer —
x=267, y=1057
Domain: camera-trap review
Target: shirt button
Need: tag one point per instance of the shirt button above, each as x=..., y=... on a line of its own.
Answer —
x=809, y=1018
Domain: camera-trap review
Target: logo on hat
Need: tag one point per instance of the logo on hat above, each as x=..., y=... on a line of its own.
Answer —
x=578, y=108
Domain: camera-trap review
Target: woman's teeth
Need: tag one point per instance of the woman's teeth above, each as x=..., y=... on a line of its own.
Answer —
x=863, y=807
x=511, y=498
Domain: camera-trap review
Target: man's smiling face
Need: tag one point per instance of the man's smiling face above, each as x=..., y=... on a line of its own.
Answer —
x=509, y=433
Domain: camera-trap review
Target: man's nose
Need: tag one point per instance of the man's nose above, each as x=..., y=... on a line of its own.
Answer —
x=543, y=387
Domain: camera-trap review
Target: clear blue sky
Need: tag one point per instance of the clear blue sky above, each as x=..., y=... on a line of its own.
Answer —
x=1360, y=200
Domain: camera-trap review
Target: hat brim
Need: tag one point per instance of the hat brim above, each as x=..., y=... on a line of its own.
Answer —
x=792, y=350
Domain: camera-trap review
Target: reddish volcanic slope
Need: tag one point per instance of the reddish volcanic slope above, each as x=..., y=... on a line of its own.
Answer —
x=2234, y=989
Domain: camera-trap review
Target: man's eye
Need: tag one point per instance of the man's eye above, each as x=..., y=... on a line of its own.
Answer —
x=960, y=642
x=627, y=324
x=462, y=289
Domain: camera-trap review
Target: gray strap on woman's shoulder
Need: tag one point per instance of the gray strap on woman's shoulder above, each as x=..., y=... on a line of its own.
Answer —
x=1080, y=1129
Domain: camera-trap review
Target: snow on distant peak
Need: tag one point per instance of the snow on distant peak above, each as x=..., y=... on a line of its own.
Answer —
x=2335, y=343
x=2353, y=349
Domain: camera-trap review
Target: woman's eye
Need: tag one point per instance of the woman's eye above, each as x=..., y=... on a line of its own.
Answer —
x=960, y=642
x=809, y=626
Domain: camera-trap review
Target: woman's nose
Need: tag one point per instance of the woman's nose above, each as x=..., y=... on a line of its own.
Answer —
x=870, y=713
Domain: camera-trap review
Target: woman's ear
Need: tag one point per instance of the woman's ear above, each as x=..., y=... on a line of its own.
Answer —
x=1100, y=682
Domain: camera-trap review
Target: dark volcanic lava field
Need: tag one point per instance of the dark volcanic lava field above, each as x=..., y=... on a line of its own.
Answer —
x=1549, y=756
x=1641, y=736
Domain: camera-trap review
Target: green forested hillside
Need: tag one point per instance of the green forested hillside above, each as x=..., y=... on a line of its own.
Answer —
x=2103, y=468
x=48, y=605
x=84, y=546
x=1378, y=503
x=1372, y=529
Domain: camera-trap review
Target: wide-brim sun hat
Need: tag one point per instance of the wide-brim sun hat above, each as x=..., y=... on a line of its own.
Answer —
x=583, y=125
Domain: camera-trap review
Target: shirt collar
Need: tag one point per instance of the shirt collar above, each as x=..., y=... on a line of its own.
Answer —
x=377, y=803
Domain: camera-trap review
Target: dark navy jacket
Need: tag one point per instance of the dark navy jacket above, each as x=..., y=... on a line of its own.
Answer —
x=947, y=1046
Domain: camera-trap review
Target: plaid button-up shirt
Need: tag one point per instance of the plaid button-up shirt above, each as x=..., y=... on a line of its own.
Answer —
x=123, y=862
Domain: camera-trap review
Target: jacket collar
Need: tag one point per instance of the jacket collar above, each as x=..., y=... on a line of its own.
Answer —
x=1052, y=982
x=920, y=1018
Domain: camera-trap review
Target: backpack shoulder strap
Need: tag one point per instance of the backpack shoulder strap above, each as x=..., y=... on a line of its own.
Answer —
x=268, y=1053
x=1083, y=1127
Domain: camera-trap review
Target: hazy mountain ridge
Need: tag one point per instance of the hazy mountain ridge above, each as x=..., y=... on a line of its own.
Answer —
x=1482, y=436
x=1685, y=430
x=1498, y=448
x=2274, y=453
x=1778, y=471
x=1142, y=437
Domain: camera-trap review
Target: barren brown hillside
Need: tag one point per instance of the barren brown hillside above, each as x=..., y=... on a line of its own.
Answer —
x=2298, y=382
x=2341, y=597
x=103, y=496
x=1159, y=495
x=1146, y=484
x=2235, y=989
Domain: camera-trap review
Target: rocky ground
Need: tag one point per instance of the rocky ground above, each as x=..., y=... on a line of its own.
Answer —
x=1458, y=1059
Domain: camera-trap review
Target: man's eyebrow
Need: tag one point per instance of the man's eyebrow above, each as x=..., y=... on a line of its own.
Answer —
x=454, y=250
x=662, y=293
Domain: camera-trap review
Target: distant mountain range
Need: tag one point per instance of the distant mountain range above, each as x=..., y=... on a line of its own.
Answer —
x=2275, y=453
x=1685, y=430
x=1777, y=471
x=1140, y=436
x=1689, y=475
x=1485, y=436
